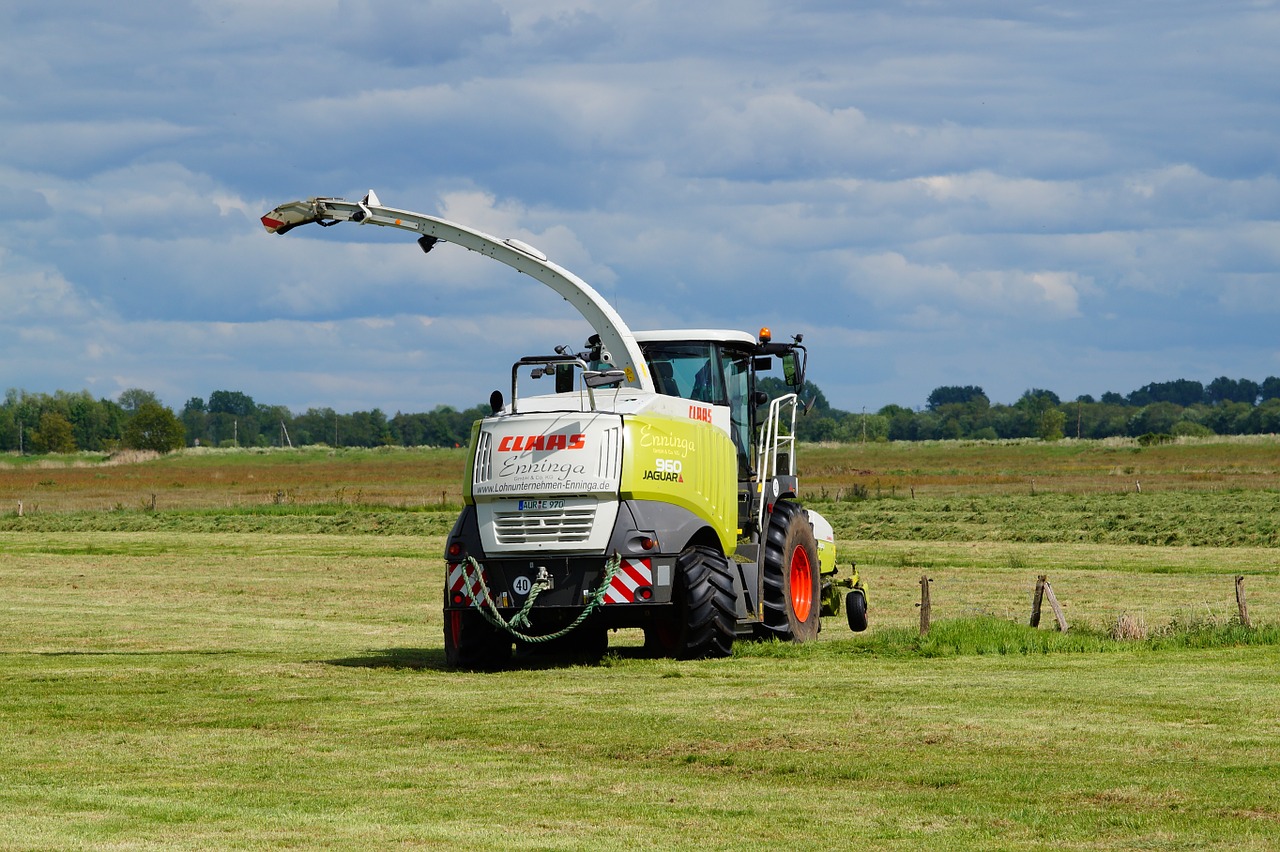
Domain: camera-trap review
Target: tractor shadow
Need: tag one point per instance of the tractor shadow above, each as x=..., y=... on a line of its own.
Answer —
x=432, y=659
x=395, y=658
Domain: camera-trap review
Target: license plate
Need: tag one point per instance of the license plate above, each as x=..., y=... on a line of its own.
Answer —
x=526, y=505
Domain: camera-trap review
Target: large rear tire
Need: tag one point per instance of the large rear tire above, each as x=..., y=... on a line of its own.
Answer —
x=470, y=642
x=792, y=584
x=705, y=609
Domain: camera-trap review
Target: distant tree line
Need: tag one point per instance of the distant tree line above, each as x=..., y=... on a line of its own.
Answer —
x=1182, y=407
x=67, y=422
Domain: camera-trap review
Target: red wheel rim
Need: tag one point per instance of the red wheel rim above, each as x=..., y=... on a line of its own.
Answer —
x=801, y=584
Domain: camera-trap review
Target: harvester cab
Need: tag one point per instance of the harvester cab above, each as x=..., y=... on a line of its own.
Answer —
x=655, y=487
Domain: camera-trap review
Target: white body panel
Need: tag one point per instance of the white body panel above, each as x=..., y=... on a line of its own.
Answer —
x=628, y=401
x=548, y=482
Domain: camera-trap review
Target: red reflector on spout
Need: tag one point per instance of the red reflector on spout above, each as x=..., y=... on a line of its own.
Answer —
x=271, y=224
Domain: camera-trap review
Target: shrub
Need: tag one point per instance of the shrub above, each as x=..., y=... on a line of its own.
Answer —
x=154, y=427
x=54, y=435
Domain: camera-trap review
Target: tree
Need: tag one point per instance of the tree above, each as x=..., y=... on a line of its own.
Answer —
x=154, y=427
x=1270, y=388
x=317, y=426
x=231, y=402
x=1265, y=419
x=1182, y=392
x=954, y=395
x=233, y=418
x=1037, y=398
x=8, y=429
x=134, y=398
x=1223, y=389
x=271, y=419
x=901, y=422
x=1157, y=418
x=194, y=418
x=1229, y=418
x=54, y=435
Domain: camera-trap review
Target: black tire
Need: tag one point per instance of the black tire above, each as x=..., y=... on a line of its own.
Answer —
x=792, y=593
x=705, y=615
x=470, y=642
x=855, y=605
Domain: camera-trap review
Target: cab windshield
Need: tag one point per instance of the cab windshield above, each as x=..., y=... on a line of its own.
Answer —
x=689, y=370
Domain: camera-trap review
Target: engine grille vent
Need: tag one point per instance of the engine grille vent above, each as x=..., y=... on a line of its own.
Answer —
x=572, y=524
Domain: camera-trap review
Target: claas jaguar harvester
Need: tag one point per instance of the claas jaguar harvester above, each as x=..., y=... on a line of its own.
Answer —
x=654, y=488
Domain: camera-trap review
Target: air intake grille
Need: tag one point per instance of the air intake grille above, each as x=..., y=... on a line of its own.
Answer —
x=484, y=457
x=544, y=526
x=610, y=465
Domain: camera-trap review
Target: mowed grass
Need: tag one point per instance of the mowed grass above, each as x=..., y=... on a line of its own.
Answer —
x=271, y=675
x=228, y=479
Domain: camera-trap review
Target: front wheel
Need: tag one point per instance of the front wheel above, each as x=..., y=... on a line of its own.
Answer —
x=704, y=612
x=792, y=583
x=856, y=605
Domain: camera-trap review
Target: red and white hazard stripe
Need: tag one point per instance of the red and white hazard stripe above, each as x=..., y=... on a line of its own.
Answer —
x=457, y=582
x=632, y=574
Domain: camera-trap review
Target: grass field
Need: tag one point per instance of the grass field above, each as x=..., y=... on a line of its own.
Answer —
x=235, y=669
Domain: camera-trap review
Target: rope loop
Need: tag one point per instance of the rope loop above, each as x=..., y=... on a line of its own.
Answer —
x=478, y=596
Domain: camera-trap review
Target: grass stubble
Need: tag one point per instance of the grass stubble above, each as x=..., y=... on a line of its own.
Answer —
x=186, y=687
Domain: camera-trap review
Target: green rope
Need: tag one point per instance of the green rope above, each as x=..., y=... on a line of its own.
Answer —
x=477, y=592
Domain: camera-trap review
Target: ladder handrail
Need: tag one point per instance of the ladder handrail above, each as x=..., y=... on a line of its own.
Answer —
x=773, y=439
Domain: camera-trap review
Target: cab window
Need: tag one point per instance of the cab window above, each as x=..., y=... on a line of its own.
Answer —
x=689, y=370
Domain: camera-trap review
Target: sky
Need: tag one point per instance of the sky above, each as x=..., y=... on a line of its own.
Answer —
x=1081, y=197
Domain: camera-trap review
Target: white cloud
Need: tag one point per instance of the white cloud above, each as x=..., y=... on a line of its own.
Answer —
x=873, y=174
x=33, y=296
x=892, y=280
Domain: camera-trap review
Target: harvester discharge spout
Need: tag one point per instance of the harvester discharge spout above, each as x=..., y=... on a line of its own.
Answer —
x=615, y=335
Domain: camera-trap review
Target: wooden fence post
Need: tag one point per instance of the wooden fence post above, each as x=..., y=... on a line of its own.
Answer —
x=925, y=605
x=1037, y=600
x=1044, y=590
x=1057, y=610
x=1241, y=603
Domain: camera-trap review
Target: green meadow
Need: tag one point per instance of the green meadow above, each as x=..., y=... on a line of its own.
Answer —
x=244, y=650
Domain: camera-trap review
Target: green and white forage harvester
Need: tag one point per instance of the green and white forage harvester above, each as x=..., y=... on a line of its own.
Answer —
x=655, y=488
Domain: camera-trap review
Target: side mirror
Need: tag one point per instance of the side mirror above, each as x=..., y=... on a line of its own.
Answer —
x=564, y=378
x=793, y=370
x=603, y=378
x=495, y=402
